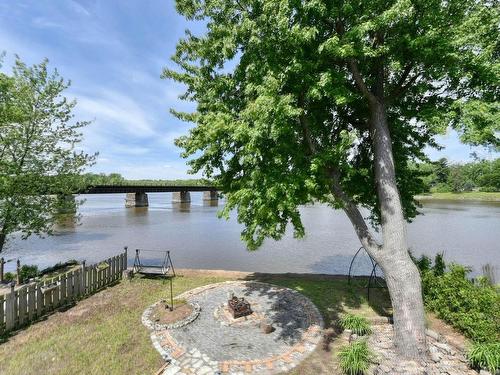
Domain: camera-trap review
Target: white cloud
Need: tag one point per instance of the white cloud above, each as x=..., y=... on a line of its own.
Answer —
x=44, y=23
x=79, y=8
x=116, y=111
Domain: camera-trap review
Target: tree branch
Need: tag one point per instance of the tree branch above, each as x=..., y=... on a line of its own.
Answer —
x=360, y=83
x=363, y=232
x=304, y=123
x=401, y=86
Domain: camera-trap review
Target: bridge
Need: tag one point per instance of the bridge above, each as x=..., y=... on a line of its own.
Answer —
x=136, y=195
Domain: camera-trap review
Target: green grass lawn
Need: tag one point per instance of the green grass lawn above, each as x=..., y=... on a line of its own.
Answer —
x=103, y=334
x=472, y=196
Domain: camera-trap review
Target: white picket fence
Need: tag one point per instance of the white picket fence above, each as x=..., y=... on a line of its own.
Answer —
x=34, y=300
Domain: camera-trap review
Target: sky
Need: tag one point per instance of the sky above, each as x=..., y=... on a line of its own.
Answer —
x=113, y=52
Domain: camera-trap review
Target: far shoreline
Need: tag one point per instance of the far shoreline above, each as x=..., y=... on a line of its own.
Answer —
x=467, y=196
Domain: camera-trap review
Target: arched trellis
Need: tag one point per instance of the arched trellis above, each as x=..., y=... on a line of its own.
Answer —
x=375, y=280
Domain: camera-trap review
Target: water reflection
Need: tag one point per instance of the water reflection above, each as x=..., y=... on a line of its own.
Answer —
x=182, y=207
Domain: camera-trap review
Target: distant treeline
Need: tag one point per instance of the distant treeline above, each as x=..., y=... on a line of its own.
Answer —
x=92, y=179
x=442, y=176
x=439, y=177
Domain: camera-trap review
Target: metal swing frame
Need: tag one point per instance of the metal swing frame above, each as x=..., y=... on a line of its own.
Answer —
x=374, y=279
x=165, y=269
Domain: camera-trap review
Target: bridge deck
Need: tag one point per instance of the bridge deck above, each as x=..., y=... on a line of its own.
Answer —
x=113, y=189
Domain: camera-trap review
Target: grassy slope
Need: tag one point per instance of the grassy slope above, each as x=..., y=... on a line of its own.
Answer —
x=473, y=196
x=104, y=335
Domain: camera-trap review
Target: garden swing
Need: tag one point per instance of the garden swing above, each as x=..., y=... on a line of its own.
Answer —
x=165, y=268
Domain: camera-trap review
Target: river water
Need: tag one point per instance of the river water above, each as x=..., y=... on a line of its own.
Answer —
x=467, y=232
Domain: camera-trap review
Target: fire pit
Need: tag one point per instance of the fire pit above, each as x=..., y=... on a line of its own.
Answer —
x=239, y=307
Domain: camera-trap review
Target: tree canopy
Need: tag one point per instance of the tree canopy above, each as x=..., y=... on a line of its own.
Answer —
x=284, y=89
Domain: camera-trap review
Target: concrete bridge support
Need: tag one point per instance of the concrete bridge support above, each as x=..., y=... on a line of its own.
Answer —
x=210, y=195
x=136, y=200
x=66, y=204
x=181, y=197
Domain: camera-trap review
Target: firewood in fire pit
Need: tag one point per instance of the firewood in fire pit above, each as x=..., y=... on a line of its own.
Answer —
x=239, y=307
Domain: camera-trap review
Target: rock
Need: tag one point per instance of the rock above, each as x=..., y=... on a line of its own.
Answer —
x=171, y=370
x=266, y=326
x=484, y=372
x=444, y=347
x=384, y=369
x=205, y=370
x=434, y=354
x=436, y=336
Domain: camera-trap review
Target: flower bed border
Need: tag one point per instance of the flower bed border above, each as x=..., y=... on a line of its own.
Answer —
x=146, y=317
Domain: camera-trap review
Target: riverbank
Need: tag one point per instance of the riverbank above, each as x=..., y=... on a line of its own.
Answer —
x=467, y=196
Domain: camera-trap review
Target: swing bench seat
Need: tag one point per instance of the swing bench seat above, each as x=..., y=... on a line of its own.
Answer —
x=152, y=270
x=163, y=268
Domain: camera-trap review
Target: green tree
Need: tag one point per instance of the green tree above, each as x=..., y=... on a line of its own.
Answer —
x=442, y=171
x=38, y=157
x=304, y=101
x=489, y=177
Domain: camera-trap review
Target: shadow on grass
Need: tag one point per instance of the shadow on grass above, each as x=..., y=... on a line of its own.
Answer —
x=332, y=294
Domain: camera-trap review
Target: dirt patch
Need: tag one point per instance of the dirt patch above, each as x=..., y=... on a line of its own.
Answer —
x=161, y=313
x=452, y=336
x=191, y=272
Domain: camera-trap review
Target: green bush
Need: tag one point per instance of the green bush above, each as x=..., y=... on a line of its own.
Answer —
x=485, y=356
x=473, y=308
x=28, y=272
x=25, y=273
x=355, y=358
x=58, y=266
x=439, y=265
x=357, y=324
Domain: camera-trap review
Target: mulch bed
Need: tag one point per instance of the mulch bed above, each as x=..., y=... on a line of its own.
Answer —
x=162, y=314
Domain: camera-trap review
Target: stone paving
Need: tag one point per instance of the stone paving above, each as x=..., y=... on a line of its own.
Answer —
x=443, y=358
x=215, y=343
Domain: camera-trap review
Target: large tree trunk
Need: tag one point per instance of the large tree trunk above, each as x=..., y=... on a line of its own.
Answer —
x=403, y=278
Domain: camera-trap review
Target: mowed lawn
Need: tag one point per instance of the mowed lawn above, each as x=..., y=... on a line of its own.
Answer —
x=103, y=334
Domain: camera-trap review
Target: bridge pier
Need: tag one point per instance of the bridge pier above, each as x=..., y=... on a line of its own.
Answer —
x=136, y=200
x=181, y=197
x=66, y=204
x=210, y=195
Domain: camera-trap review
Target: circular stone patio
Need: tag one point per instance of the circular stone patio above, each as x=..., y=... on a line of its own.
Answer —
x=215, y=343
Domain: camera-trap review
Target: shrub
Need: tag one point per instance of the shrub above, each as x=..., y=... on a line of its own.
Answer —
x=473, y=308
x=439, y=265
x=485, y=356
x=58, y=266
x=355, y=358
x=357, y=324
x=424, y=263
x=27, y=272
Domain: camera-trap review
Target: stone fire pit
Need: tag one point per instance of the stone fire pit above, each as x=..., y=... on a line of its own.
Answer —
x=272, y=331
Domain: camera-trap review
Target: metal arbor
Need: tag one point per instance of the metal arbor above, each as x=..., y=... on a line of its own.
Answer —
x=375, y=280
